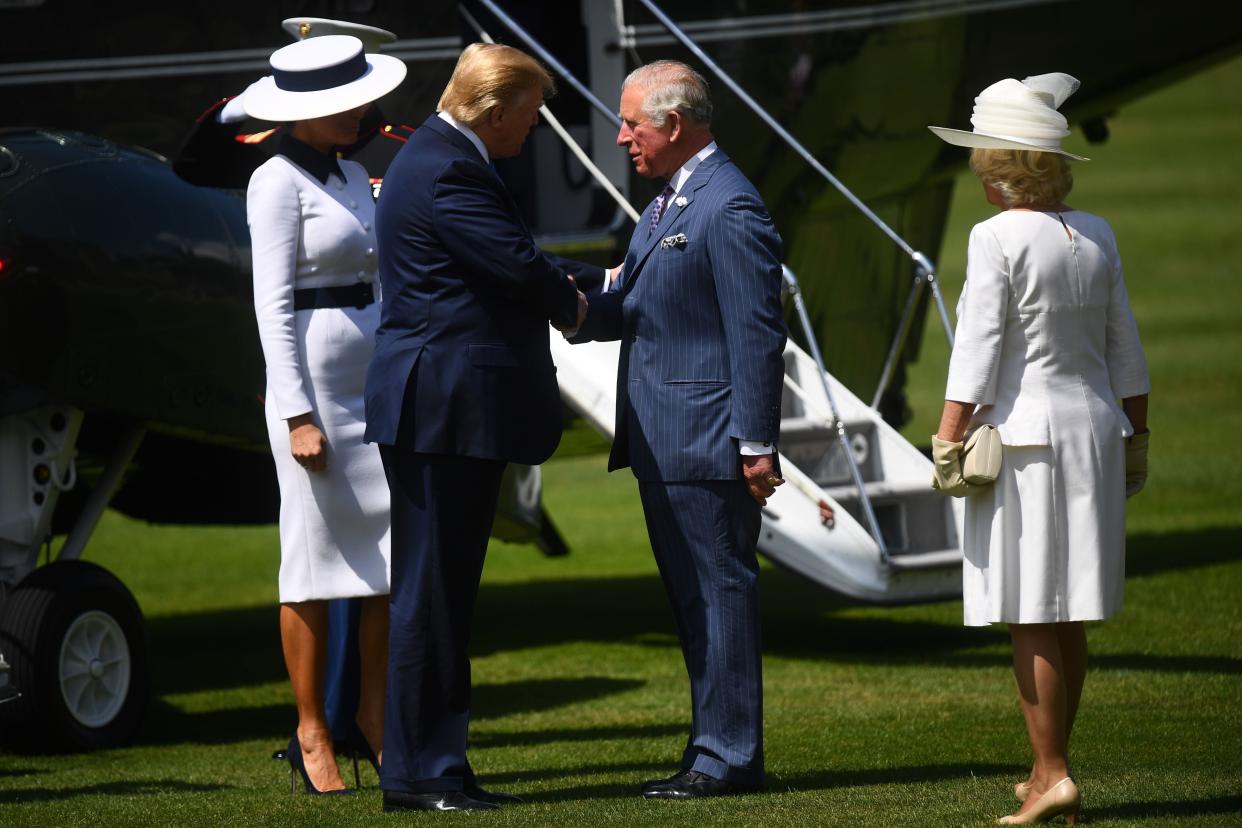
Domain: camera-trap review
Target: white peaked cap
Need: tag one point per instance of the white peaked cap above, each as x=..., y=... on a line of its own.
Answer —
x=373, y=38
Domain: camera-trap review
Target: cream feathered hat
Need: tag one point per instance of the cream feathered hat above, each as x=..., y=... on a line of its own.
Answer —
x=1012, y=114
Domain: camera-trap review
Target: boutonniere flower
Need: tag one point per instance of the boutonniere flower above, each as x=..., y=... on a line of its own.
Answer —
x=678, y=240
x=681, y=201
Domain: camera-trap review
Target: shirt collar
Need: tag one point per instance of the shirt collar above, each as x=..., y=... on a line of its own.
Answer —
x=316, y=163
x=468, y=132
x=687, y=169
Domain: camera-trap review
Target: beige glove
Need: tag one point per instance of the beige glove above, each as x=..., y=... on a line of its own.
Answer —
x=1136, y=463
x=947, y=470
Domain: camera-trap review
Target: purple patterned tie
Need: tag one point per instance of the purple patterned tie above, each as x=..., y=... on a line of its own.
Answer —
x=657, y=209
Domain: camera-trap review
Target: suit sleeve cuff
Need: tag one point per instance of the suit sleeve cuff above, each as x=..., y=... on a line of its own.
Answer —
x=752, y=448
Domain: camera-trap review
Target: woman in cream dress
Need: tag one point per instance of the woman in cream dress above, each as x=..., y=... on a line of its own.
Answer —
x=1046, y=346
x=313, y=243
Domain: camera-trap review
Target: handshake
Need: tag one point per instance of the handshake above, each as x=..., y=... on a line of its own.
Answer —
x=567, y=330
x=611, y=276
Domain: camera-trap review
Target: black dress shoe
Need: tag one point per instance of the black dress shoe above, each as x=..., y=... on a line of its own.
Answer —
x=656, y=783
x=694, y=785
x=434, y=801
x=491, y=797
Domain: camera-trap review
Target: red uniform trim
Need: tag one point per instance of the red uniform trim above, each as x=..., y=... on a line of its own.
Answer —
x=209, y=110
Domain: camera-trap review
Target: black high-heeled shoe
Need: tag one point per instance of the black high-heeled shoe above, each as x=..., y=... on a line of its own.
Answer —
x=297, y=764
x=359, y=746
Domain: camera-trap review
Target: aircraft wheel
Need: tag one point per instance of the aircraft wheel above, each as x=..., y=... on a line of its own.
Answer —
x=76, y=641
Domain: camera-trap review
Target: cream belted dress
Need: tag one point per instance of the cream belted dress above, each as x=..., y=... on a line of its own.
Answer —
x=334, y=524
x=1046, y=345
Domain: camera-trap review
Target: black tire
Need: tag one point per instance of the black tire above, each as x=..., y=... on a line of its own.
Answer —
x=82, y=601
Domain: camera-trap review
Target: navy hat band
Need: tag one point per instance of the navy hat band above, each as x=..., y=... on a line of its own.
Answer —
x=317, y=80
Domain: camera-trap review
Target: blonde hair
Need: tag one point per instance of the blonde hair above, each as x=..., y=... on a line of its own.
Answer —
x=489, y=75
x=1023, y=176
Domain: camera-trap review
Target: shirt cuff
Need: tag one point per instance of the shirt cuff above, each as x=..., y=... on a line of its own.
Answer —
x=752, y=448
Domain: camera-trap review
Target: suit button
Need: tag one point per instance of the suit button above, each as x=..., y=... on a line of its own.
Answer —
x=366, y=225
x=353, y=205
x=340, y=186
x=362, y=274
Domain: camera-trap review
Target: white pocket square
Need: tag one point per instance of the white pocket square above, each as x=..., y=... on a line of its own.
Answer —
x=678, y=240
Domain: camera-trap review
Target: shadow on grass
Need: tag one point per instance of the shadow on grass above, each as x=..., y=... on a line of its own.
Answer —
x=886, y=776
x=14, y=773
x=1152, y=554
x=546, y=735
x=492, y=701
x=166, y=724
x=776, y=783
x=1177, y=808
x=150, y=787
x=215, y=650
x=241, y=647
x=650, y=769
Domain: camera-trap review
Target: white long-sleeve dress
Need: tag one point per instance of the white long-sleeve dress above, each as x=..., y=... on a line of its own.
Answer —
x=334, y=524
x=1046, y=345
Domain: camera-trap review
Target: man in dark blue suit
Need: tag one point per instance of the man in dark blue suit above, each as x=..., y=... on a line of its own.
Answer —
x=461, y=383
x=702, y=333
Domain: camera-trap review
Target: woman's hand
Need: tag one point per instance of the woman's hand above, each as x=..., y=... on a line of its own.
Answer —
x=308, y=443
x=1136, y=463
x=947, y=469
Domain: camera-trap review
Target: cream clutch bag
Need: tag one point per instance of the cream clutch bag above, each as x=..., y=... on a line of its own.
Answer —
x=981, y=458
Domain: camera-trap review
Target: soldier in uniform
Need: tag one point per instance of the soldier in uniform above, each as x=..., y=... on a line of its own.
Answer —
x=217, y=153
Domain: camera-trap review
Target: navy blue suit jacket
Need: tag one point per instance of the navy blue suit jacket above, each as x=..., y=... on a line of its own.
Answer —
x=702, y=331
x=461, y=363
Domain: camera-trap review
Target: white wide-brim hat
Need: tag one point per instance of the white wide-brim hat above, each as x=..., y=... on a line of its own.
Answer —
x=321, y=76
x=303, y=28
x=1021, y=115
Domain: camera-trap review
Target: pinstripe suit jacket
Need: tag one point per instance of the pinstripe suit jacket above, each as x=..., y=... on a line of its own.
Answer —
x=701, y=330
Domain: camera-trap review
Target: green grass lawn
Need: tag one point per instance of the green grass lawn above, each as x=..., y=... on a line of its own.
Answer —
x=885, y=716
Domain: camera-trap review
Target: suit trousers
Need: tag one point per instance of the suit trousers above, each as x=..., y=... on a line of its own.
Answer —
x=343, y=666
x=442, y=512
x=703, y=534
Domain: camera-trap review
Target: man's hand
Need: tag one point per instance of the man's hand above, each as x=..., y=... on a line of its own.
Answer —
x=582, y=312
x=308, y=443
x=760, y=473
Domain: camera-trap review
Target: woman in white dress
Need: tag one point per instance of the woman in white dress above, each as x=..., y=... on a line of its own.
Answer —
x=313, y=245
x=1046, y=346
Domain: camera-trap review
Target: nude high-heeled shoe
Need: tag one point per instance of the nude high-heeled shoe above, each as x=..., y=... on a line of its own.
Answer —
x=1022, y=790
x=1061, y=799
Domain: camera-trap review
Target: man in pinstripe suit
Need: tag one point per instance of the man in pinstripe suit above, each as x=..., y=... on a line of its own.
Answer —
x=698, y=313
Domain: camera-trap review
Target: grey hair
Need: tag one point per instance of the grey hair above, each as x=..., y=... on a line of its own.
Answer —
x=672, y=86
